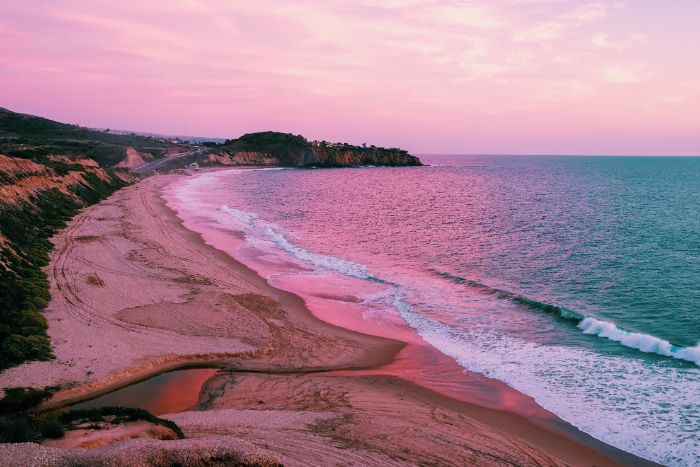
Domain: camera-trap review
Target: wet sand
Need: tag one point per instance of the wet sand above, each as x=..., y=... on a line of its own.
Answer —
x=134, y=293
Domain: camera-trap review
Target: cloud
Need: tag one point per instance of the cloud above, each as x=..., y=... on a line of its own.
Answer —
x=470, y=15
x=625, y=73
x=566, y=22
x=539, y=33
x=589, y=12
x=370, y=64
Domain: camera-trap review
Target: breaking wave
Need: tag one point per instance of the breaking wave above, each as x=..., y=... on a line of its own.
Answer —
x=587, y=324
x=579, y=387
x=254, y=226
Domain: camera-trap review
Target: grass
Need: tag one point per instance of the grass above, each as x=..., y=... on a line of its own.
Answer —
x=52, y=428
x=17, y=429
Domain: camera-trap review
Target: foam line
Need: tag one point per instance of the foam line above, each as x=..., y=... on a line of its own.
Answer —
x=589, y=325
x=256, y=227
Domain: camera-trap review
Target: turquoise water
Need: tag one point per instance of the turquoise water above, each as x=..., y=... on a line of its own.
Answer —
x=575, y=280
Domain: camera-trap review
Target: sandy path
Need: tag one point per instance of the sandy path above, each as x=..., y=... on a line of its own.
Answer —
x=134, y=292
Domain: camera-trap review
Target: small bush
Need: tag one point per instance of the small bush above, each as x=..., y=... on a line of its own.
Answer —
x=18, y=348
x=17, y=429
x=20, y=399
x=121, y=414
x=52, y=427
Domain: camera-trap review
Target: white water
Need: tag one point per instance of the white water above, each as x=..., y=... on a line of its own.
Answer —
x=644, y=342
x=629, y=403
x=256, y=228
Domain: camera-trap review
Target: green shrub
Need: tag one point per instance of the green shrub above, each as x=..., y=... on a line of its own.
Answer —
x=21, y=399
x=18, y=348
x=24, y=287
x=17, y=429
x=51, y=427
x=23, y=428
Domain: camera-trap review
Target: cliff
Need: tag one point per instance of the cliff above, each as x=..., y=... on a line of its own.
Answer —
x=36, y=199
x=273, y=148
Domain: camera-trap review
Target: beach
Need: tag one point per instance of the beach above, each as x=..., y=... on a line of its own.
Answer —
x=134, y=293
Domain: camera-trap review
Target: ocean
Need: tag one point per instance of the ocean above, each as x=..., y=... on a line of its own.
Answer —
x=575, y=280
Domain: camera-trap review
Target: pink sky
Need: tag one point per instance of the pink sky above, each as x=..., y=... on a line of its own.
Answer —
x=509, y=76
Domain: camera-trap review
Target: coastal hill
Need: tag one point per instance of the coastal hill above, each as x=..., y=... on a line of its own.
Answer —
x=273, y=148
x=35, y=138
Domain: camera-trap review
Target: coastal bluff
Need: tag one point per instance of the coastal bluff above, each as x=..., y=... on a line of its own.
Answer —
x=288, y=150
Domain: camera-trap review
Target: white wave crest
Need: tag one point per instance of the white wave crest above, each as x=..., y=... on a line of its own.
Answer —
x=692, y=354
x=330, y=263
x=256, y=227
x=248, y=218
x=637, y=405
x=635, y=340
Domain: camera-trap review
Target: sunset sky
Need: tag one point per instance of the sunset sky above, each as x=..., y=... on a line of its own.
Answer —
x=441, y=76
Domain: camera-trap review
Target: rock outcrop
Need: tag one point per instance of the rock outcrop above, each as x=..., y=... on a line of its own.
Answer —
x=242, y=158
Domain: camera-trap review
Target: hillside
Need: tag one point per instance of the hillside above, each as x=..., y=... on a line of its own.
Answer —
x=35, y=138
x=296, y=151
x=35, y=201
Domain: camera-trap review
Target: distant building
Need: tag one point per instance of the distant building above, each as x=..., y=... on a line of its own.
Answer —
x=193, y=165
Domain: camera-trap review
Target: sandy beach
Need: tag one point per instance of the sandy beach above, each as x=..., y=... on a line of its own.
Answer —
x=135, y=293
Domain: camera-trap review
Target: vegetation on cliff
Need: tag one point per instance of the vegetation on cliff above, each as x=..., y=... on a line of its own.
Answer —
x=34, y=204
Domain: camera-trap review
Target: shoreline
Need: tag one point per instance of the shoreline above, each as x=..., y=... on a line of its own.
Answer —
x=280, y=327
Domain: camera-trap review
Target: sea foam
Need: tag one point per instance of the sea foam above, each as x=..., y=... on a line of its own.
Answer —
x=255, y=227
x=620, y=400
x=589, y=325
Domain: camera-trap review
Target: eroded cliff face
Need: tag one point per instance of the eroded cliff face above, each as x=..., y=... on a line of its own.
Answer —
x=316, y=156
x=333, y=156
x=21, y=180
x=133, y=159
x=242, y=158
x=36, y=199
